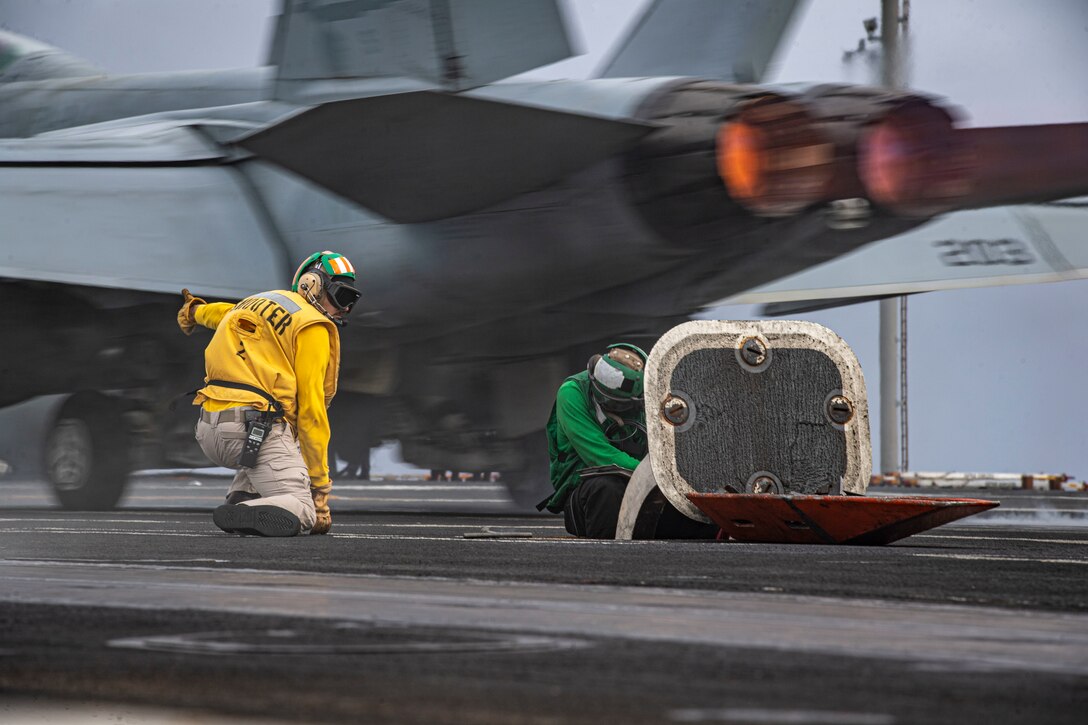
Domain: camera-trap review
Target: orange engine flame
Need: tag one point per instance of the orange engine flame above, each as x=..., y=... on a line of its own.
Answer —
x=772, y=157
x=741, y=163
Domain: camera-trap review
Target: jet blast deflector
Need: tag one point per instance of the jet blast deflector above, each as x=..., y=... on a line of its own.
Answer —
x=864, y=520
x=762, y=428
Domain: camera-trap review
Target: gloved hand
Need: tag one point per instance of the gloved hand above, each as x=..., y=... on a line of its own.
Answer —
x=321, y=503
x=187, y=313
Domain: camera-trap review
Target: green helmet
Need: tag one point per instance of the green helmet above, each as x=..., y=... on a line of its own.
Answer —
x=616, y=376
x=335, y=276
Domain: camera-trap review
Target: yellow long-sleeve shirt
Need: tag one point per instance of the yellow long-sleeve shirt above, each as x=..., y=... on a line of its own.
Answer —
x=313, y=352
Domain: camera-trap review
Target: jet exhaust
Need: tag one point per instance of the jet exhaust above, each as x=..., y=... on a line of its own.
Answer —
x=913, y=162
x=778, y=156
x=916, y=164
x=729, y=162
x=773, y=158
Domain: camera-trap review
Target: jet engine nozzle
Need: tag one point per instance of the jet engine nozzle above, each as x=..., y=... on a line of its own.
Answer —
x=773, y=158
x=913, y=162
x=727, y=161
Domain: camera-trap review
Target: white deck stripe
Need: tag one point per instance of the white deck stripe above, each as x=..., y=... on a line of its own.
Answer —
x=984, y=557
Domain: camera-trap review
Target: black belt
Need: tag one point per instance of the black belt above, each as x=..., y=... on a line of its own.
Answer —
x=277, y=407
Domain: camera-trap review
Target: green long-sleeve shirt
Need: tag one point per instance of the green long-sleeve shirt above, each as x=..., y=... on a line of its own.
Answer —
x=577, y=440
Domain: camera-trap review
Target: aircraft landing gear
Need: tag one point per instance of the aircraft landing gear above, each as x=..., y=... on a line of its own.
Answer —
x=86, y=453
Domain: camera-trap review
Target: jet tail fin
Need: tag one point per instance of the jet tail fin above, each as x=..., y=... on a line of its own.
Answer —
x=455, y=45
x=731, y=40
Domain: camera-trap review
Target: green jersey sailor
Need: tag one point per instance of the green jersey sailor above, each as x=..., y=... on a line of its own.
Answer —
x=596, y=438
x=598, y=420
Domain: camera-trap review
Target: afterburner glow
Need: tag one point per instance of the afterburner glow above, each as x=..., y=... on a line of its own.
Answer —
x=773, y=158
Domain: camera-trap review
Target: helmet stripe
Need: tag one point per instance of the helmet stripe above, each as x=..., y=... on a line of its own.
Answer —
x=340, y=265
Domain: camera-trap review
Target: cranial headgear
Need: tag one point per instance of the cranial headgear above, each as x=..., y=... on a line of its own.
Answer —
x=330, y=273
x=617, y=376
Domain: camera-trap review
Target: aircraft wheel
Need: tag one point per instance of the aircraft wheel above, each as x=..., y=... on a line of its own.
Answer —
x=529, y=483
x=86, y=453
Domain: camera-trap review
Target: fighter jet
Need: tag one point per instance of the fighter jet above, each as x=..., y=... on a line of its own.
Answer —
x=503, y=230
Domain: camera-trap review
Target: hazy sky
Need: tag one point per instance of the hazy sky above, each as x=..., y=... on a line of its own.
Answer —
x=995, y=375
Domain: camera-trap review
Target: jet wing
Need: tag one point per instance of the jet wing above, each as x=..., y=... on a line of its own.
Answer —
x=147, y=207
x=135, y=142
x=978, y=248
x=730, y=40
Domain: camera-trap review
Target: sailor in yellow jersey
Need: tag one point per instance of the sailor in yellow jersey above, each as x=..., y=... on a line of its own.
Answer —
x=271, y=372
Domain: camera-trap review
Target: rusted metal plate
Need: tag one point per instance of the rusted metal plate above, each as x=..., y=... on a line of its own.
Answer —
x=799, y=519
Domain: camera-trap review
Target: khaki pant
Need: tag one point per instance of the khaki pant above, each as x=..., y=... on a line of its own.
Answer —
x=280, y=477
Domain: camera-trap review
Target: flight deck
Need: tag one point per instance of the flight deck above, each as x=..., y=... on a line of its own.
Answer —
x=438, y=601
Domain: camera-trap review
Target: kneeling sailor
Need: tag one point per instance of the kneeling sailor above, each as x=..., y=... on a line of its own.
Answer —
x=271, y=372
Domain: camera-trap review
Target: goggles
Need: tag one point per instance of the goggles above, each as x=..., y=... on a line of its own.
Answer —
x=343, y=295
